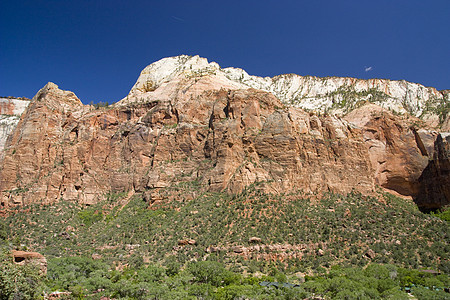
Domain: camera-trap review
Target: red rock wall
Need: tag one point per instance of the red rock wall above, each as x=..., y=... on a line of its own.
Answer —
x=224, y=140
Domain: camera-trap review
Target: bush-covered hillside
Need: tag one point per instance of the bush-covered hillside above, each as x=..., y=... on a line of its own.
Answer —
x=245, y=237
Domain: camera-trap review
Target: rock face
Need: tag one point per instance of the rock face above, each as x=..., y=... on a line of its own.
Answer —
x=399, y=151
x=189, y=122
x=10, y=111
x=224, y=139
x=33, y=147
x=337, y=95
x=434, y=182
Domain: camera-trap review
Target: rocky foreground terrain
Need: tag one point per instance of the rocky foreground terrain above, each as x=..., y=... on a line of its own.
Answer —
x=189, y=121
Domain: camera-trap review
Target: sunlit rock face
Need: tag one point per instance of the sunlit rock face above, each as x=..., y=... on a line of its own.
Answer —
x=10, y=111
x=187, y=121
x=337, y=95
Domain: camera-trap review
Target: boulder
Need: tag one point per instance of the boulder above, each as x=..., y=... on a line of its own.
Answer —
x=32, y=258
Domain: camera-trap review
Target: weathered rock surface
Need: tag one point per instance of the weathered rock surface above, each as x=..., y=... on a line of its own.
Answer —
x=223, y=139
x=434, y=182
x=185, y=122
x=399, y=150
x=10, y=111
x=25, y=257
x=337, y=95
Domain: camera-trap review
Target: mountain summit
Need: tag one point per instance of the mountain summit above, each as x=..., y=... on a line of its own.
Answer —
x=330, y=94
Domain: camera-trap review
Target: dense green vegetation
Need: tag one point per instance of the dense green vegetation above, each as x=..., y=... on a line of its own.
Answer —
x=219, y=246
x=442, y=214
x=85, y=277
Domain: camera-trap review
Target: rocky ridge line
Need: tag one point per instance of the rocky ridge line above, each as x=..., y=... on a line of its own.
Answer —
x=337, y=95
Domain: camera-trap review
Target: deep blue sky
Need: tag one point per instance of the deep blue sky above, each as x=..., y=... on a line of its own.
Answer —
x=98, y=48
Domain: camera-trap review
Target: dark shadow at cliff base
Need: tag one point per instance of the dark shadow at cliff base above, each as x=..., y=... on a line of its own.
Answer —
x=434, y=182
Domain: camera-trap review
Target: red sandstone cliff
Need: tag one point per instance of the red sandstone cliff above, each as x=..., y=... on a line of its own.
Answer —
x=207, y=130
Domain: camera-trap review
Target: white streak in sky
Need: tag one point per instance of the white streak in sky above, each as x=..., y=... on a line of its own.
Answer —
x=178, y=19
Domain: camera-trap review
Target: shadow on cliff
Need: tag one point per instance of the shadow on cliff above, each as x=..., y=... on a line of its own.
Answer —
x=434, y=182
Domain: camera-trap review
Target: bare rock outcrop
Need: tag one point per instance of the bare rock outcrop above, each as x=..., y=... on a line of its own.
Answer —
x=434, y=182
x=398, y=148
x=337, y=95
x=10, y=111
x=32, y=258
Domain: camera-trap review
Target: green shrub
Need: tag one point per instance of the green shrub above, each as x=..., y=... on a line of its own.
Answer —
x=212, y=272
x=68, y=272
x=151, y=273
x=89, y=216
x=444, y=215
x=425, y=293
x=172, y=266
x=4, y=229
x=231, y=292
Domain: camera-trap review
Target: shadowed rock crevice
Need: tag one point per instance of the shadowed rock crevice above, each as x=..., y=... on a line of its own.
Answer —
x=434, y=182
x=419, y=143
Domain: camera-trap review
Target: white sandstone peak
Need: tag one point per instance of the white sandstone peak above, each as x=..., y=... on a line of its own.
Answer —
x=168, y=68
x=10, y=111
